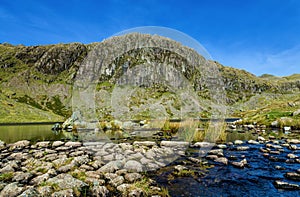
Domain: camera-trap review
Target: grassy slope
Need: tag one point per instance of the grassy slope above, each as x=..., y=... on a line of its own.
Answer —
x=13, y=111
x=256, y=99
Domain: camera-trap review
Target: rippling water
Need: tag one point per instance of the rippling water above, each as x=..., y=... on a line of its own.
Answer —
x=225, y=180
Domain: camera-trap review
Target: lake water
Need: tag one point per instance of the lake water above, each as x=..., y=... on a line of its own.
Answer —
x=31, y=132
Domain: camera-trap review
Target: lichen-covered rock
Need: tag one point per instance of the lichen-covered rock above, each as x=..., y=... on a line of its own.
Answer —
x=99, y=191
x=133, y=166
x=66, y=181
x=11, y=190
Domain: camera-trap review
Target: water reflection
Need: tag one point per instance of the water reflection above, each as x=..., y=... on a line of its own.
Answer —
x=13, y=133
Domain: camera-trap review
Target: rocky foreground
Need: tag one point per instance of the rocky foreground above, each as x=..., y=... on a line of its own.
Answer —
x=108, y=169
x=76, y=169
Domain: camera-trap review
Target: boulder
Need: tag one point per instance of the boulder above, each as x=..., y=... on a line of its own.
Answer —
x=222, y=160
x=57, y=143
x=12, y=189
x=133, y=166
x=30, y=192
x=111, y=166
x=117, y=181
x=66, y=181
x=132, y=177
x=99, y=191
x=296, y=113
x=19, y=144
x=63, y=193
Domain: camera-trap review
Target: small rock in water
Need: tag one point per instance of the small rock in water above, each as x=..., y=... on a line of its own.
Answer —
x=279, y=168
x=293, y=141
x=275, y=152
x=293, y=147
x=271, y=137
x=285, y=185
x=222, y=160
x=238, y=142
x=260, y=138
x=211, y=157
x=253, y=142
x=242, y=148
x=240, y=164
x=293, y=176
x=180, y=168
x=216, y=152
x=222, y=146
x=292, y=156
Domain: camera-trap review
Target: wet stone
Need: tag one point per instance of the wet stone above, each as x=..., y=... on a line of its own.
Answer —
x=286, y=185
x=238, y=142
x=222, y=160
x=292, y=156
x=242, y=148
x=279, y=168
x=240, y=164
x=216, y=152
x=253, y=142
x=293, y=176
x=222, y=146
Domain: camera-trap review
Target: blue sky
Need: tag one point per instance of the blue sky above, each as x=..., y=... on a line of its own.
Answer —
x=260, y=36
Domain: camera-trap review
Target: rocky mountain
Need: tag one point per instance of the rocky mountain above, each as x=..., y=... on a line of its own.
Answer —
x=36, y=81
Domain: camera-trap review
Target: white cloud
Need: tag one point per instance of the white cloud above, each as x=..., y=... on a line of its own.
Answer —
x=283, y=63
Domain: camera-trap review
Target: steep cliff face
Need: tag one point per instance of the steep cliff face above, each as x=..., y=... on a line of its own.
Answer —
x=41, y=77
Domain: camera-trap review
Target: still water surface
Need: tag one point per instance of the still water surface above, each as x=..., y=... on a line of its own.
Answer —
x=32, y=132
